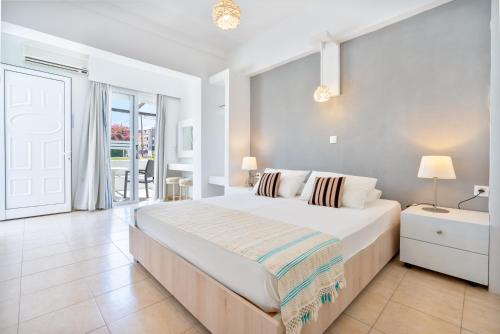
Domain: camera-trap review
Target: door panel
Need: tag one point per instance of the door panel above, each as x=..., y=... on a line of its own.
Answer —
x=122, y=146
x=35, y=135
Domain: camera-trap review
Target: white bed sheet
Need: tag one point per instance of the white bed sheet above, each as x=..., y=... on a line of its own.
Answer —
x=356, y=228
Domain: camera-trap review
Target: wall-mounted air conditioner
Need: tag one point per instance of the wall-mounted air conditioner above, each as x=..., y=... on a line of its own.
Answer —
x=72, y=63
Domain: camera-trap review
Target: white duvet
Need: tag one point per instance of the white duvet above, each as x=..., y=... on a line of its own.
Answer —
x=356, y=228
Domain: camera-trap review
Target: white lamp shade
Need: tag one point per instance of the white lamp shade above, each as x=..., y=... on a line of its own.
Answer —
x=249, y=163
x=433, y=166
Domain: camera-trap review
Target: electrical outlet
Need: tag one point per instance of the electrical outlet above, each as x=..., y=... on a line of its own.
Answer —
x=333, y=139
x=485, y=188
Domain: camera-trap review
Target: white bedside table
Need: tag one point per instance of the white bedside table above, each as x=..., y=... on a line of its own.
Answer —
x=232, y=190
x=454, y=243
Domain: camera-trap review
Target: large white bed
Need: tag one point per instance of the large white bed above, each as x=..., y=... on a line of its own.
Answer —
x=357, y=228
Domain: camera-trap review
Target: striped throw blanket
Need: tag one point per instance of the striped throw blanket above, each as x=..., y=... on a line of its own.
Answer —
x=307, y=264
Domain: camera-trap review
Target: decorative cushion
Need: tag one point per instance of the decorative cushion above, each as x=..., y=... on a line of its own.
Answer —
x=269, y=184
x=328, y=191
x=291, y=181
x=356, y=188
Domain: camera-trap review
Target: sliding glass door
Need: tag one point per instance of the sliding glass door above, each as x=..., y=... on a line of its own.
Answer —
x=122, y=146
x=145, y=143
x=133, y=127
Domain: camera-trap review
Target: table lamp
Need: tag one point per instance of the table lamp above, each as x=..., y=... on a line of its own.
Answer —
x=436, y=167
x=249, y=164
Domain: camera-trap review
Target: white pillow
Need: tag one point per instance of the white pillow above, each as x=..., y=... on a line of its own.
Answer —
x=356, y=188
x=373, y=195
x=301, y=188
x=291, y=181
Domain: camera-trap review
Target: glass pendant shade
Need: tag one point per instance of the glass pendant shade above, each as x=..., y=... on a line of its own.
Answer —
x=226, y=14
x=322, y=93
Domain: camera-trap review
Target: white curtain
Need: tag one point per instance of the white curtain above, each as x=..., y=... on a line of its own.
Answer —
x=94, y=182
x=161, y=146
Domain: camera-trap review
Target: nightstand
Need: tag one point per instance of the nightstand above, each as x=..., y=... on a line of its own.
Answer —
x=454, y=243
x=232, y=190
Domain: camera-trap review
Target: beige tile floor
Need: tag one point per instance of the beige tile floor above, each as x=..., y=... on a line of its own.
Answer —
x=72, y=273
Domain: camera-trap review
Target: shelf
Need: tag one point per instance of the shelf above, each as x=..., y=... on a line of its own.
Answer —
x=217, y=180
x=181, y=167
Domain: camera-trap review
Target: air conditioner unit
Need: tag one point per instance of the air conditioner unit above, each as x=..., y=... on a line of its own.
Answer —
x=72, y=63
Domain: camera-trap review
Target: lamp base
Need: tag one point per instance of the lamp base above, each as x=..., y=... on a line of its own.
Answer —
x=250, y=180
x=435, y=209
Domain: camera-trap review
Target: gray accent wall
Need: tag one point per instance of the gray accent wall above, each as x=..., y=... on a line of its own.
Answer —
x=417, y=87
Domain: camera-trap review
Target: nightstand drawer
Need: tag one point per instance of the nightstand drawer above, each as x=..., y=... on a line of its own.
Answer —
x=466, y=265
x=442, y=231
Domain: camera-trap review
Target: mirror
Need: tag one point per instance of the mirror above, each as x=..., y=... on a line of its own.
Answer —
x=185, y=138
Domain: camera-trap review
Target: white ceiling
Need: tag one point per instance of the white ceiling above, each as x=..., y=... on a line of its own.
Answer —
x=271, y=33
x=189, y=21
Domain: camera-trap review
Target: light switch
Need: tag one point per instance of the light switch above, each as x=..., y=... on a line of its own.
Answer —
x=333, y=139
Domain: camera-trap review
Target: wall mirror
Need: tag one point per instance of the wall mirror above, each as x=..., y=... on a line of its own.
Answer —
x=185, y=139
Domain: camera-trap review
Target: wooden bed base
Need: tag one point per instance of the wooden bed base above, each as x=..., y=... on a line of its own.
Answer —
x=223, y=311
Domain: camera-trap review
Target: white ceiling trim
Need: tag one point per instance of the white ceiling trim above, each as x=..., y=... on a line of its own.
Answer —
x=384, y=23
x=275, y=48
x=113, y=12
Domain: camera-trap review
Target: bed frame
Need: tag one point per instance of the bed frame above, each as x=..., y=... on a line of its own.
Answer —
x=222, y=311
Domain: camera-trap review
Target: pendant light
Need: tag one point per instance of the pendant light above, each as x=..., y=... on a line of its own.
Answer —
x=323, y=92
x=226, y=14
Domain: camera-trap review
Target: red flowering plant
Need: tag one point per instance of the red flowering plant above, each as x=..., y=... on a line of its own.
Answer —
x=120, y=132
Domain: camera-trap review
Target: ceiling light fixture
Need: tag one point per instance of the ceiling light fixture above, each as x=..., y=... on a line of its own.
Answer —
x=226, y=14
x=323, y=93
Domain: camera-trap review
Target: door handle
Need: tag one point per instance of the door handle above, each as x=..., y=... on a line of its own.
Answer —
x=439, y=232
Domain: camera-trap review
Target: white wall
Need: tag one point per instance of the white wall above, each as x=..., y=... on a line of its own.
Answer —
x=237, y=127
x=227, y=130
x=192, y=108
x=495, y=150
x=12, y=53
x=213, y=143
x=153, y=80
x=124, y=72
x=83, y=26
x=173, y=115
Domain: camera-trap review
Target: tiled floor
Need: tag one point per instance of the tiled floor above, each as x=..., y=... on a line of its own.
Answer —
x=72, y=273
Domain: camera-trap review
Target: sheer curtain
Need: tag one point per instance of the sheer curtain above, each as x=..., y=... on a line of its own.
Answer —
x=161, y=146
x=94, y=182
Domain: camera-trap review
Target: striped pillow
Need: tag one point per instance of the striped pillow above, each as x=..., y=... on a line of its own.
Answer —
x=328, y=191
x=269, y=185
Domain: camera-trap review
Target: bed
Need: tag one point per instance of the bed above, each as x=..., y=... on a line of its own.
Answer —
x=231, y=294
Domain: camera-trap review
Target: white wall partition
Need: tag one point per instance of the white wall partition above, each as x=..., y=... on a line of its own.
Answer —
x=229, y=111
x=237, y=127
x=495, y=150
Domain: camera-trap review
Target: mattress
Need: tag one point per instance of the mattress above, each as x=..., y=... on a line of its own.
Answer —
x=356, y=228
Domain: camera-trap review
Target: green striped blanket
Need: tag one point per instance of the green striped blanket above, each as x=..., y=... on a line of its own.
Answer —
x=307, y=264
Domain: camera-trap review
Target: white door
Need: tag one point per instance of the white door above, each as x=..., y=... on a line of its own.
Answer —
x=37, y=125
